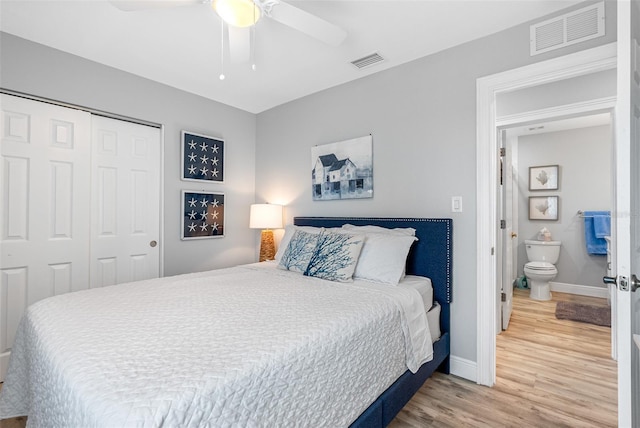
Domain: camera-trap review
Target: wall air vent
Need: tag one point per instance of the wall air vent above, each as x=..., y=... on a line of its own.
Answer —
x=568, y=29
x=367, y=61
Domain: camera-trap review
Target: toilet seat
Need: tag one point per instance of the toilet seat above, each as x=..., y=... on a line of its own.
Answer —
x=540, y=266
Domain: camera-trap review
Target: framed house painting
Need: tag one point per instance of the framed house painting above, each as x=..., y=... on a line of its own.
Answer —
x=202, y=158
x=543, y=208
x=543, y=177
x=202, y=215
x=342, y=170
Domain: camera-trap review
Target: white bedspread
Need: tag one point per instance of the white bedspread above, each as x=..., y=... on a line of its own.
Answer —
x=250, y=346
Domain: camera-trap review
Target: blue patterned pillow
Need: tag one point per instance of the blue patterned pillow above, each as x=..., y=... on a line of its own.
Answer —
x=299, y=251
x=335, y=256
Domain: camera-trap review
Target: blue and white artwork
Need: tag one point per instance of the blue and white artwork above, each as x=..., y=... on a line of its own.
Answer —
x=202, y=158
x=342, y=170
x=202, y=215
x=335, y=256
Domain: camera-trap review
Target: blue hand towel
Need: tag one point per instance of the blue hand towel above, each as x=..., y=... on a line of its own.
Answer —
x=602, y=225
x=594, y=236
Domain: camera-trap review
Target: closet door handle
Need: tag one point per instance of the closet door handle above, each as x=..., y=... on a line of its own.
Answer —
x=153, y=243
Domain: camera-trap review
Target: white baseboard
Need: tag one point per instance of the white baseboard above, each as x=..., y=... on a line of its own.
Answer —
x=463, y=368
x=582, y=290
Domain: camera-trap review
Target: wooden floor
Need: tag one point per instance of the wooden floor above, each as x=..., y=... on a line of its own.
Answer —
x=550, y=373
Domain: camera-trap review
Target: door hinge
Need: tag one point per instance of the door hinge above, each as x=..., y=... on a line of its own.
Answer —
x=503, y=224
x=503, y=297
x=503, y=152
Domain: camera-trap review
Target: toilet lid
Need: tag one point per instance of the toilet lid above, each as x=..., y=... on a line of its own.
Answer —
x=539, y=266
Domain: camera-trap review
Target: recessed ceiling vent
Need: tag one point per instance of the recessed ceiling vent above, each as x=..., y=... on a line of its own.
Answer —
x=368, y=61
x=568, y=29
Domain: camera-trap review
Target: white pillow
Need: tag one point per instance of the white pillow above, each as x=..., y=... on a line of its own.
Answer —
x=289, y=230
x=299, y=250
x=409, y=231
x=383, y=257
x=335, y=256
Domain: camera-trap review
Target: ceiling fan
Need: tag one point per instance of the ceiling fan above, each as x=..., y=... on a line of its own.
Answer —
x=240, y=15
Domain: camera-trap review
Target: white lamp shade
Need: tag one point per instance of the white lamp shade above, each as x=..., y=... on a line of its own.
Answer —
x=265, y=216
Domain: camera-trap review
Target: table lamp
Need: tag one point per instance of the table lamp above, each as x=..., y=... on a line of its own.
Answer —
x=266, y=217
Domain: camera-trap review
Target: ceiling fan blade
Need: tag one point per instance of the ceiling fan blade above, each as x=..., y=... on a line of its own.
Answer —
x=239, y=44
x=133, y=5
x=307, y=23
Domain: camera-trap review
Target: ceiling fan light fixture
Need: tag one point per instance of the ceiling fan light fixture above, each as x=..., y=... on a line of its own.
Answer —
x=239, y=13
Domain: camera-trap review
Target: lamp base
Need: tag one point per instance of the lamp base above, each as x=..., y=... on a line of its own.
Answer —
x=267, y=246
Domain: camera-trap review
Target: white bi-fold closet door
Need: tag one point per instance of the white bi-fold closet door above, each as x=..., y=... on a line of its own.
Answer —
x=80, y=205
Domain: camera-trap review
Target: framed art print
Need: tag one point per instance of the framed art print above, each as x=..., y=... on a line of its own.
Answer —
x=543, y=208
x=202, y=158
x=202, y=214
x=543, y=177
x=342, y=170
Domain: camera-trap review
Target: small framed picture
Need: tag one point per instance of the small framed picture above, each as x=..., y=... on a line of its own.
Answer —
x=202, y=215
x=202, y=158
x=543, y=177
x=543, y=208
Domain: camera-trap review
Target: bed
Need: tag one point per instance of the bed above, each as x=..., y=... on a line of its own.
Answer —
x=247, y=346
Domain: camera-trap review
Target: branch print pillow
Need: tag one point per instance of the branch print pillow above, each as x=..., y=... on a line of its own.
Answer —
x=335, y=256
x=299, y=251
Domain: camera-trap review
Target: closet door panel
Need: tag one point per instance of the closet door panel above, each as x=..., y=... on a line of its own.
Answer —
x=125, y=202
x=44, y=239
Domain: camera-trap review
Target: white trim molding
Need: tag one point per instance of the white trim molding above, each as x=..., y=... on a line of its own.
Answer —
x=568, y=110
x=580, y=290
x=578, y=64
x=463, y=368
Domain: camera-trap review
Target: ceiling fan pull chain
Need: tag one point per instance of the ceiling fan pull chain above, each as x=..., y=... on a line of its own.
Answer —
x=222, y=50
x=252, y=42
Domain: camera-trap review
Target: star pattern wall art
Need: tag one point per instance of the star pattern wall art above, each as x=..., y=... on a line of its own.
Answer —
x=202, y=215
x=202, y=158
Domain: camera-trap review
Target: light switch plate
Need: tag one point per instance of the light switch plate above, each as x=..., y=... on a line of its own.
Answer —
x=456, y=204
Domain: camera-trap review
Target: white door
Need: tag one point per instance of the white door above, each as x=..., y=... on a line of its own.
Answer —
x=508, y=233
x=627, y=212
x=43, y=187
x=125, y=202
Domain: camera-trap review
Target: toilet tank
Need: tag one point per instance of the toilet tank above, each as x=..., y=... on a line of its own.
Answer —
x=543, y=251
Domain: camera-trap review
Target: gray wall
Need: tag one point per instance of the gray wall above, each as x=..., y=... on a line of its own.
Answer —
x=584, y=156
x=568, y=91
x=39, y=70
x=422, y=116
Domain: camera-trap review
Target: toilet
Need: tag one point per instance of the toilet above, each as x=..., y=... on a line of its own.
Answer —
x=540, y=269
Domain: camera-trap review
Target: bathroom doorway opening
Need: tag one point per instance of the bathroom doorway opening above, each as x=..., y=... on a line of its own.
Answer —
x=581, y=147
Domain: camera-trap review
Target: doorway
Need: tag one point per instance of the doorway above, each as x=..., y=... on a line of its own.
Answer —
x=575, y=65
x=580, y=150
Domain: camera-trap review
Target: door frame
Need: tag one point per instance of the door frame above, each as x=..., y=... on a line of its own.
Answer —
x=578, y=64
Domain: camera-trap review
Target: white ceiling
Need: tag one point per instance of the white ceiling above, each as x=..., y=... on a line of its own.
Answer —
x=181, y=47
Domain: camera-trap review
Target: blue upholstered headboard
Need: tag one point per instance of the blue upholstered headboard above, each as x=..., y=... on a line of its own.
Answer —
x=430, y=256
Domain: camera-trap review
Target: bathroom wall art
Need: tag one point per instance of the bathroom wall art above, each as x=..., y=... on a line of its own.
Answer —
x=543, y=207
x=543, y=177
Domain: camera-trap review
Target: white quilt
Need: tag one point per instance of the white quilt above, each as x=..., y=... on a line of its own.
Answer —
x=250, y=346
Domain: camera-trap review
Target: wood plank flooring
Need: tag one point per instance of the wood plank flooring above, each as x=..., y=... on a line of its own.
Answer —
x=550, y=373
